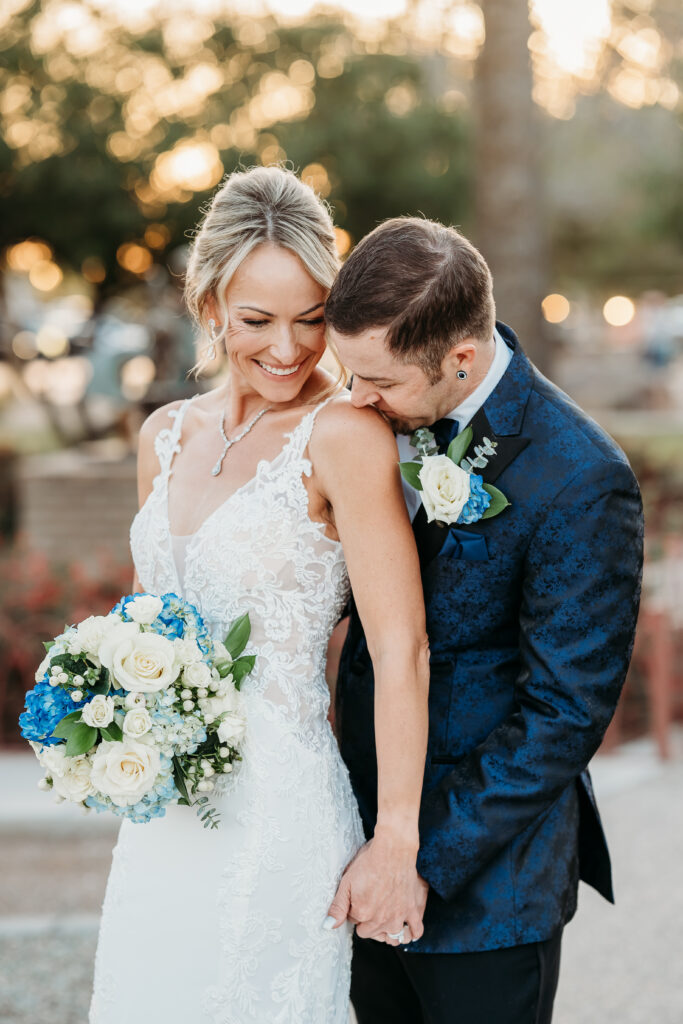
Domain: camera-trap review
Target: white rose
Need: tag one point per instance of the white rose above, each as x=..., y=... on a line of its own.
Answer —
x=137, y=722
x=99, y=712
x=187, y=650
x=70, y=775
x=91, y=631
x=144, y=662
x=232, y=728
x=197, y=674
x=75, y=783
x=43, y=667
x=135, y=700
x=445, y=488
x=125, y=770
x=116, y=633
x=145, y=608
x=231, y=700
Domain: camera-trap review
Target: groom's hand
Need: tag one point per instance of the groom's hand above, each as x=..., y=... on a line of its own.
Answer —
x=381, y=891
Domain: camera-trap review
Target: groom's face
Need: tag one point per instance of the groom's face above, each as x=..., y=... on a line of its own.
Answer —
x=402, y=392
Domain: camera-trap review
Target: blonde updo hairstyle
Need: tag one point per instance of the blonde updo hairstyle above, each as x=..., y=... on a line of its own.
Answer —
x=261, y=204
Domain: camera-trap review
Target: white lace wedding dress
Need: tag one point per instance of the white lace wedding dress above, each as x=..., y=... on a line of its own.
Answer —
x=225, y=926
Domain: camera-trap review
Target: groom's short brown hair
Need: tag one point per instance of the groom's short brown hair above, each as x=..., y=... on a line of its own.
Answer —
x=424, y=281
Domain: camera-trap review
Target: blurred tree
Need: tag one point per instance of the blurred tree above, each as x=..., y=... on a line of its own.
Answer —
x=509, y=221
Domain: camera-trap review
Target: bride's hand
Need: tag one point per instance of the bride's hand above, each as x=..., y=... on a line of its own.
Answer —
x=381, y=891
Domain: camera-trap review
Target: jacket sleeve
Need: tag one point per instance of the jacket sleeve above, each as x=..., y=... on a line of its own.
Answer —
x=580, y=596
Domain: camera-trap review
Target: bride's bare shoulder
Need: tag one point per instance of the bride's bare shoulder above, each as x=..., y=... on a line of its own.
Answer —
x=342, y=422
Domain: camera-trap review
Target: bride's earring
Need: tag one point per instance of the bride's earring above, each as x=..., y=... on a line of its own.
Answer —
x=212, y=347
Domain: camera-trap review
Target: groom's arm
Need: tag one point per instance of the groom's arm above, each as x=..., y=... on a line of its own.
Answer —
x=577, y=622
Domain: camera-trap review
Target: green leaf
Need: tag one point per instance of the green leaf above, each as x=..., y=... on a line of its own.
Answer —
x=179, y=779
x=242, y=667
x=238, y=635
x=111, y=732
x=103, y=685
x=65, y=725
x=224, y=667
x=48, y=644
x=459, y=445
x=80, y=740
x=498, y=502
x=410, y=471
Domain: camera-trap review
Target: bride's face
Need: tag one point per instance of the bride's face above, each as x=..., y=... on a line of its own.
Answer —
x=276, y=329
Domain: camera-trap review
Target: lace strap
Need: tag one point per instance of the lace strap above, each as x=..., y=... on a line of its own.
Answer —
x=301, y=435
x=167, y=441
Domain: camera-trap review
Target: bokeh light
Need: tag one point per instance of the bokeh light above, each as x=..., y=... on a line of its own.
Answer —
x=619, y=311
x=45, y=275
x=51, y=341
x=556, y=308
x=136, y=376
x=134, y=257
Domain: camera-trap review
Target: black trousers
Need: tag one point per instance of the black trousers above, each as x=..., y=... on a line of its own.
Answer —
x=499, y=986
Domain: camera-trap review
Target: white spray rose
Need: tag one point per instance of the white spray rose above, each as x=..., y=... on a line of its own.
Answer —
x=197, y=674
x=91, y=631
x=76, y=782
x=137, y=722
x=125, y=770
x=232, y=728
x=445, y=488
x=187, y=650
x=145, y=608
x=135, y=700
x=71, y=776
x=144, y=662
x=99, y=712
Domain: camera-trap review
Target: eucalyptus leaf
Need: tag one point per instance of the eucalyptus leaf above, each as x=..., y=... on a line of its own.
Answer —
x=498, y=502
x=241, y=668
x=410, y=471
x=459, y=445
x=80, y=740
x=65, y=726
x=238, y=635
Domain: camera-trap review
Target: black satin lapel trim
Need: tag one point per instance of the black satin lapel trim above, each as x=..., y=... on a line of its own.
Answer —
x=429, y=537
x=507, y=448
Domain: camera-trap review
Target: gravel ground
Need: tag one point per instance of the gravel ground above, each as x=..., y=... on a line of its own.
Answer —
x=621, y=965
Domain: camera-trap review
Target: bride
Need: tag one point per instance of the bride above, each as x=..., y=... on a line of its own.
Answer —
x=268, y=495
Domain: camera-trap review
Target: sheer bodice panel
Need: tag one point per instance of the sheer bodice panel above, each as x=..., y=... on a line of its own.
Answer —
x=260, y=552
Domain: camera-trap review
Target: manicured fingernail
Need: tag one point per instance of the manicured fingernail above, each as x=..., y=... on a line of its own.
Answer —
x=329, y=923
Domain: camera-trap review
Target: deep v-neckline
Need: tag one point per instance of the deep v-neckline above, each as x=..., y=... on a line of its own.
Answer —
x=262, y=464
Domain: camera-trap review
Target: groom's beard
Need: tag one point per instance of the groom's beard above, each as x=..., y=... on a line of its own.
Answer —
x=401, y=426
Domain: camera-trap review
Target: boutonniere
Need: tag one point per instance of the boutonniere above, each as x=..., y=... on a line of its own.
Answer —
x=451, y=493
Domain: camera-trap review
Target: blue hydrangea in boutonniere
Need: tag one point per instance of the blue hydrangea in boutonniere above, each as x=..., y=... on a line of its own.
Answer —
x=451, y=494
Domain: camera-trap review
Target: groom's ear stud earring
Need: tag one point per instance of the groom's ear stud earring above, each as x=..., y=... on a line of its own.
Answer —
x=462, y=374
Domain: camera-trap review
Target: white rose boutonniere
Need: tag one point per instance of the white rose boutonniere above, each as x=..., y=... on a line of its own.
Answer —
x=445, y=488
x=450, y=493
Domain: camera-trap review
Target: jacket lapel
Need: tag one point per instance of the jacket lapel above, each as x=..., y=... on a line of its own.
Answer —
x=497, y=425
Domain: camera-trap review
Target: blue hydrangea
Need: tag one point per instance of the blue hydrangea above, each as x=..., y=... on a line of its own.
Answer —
x=477, y=503
x=174, y=618
x=46, y=706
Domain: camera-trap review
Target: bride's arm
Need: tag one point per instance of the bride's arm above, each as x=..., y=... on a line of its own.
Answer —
x=356, y=469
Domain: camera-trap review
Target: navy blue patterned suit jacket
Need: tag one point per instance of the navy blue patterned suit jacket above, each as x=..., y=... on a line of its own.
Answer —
x=531, y=617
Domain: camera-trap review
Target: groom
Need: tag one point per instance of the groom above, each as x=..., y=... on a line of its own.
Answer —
x=530, y=614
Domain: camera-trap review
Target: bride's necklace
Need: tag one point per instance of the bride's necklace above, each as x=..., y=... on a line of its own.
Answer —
x=228, y=443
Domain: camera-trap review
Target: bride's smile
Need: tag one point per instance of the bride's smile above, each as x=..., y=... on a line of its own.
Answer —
x=274, y=325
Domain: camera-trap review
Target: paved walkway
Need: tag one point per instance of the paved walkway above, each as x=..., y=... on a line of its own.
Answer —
x=621, y=965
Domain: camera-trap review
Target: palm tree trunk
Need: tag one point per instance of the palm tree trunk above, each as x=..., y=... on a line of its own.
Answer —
x=509, y=210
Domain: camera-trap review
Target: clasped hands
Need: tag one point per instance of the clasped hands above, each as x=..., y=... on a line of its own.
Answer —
x=381, y=893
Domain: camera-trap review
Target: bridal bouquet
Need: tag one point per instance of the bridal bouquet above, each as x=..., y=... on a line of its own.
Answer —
x=139, y=709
